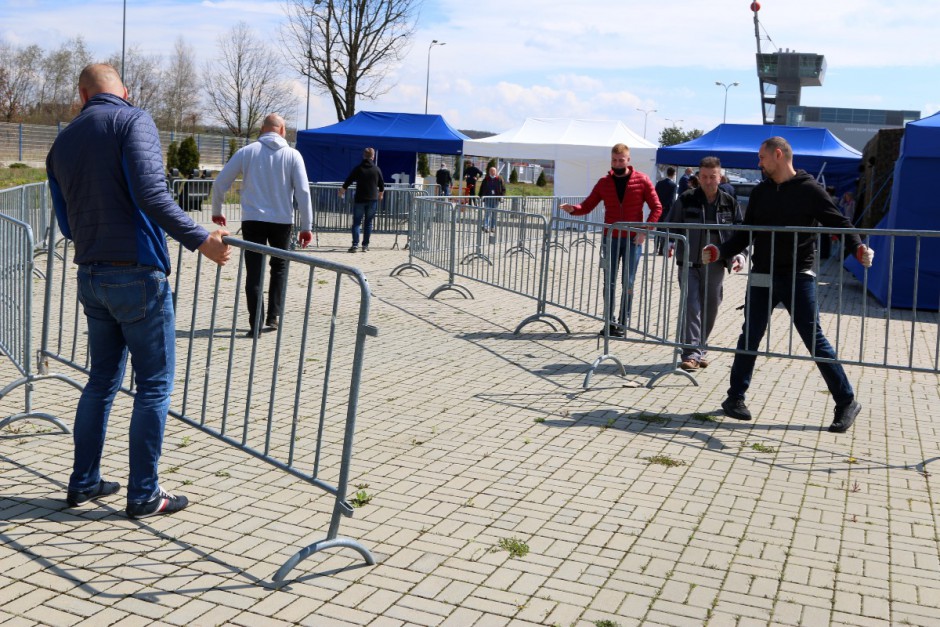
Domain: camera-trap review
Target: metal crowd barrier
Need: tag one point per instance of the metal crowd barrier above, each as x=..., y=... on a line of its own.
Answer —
x=251, y=392
x=530, y=255
x=332, y=214
x=567, y=271
x=30, y=204
x=195, y=197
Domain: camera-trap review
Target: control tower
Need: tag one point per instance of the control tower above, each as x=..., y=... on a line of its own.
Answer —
x=782, y=76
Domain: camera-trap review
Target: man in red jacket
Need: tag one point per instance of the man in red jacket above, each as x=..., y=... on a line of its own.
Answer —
x=623, y=191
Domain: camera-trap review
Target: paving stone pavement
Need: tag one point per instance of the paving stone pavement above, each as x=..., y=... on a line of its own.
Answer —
x=637, y=506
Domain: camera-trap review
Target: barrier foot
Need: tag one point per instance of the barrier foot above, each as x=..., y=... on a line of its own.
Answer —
x=460, y=289
x=408, y=266
x=563, y=248
x=34, y=416
x=519, y=249
x=598, y=362
x=678, y=371
x=544, y=318
x=582, y=240
x=322, y=545
x=471, y=256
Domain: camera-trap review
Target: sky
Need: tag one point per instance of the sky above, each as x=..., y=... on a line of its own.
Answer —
x=594, y=59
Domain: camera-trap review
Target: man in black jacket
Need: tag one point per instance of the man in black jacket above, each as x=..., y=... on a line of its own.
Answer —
x=370, y=189
x=783, y=273
x=706, y=204
x=444, y=180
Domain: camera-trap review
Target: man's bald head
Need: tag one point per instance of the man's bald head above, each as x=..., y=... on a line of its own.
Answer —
x=273, y=122
x=100, y=78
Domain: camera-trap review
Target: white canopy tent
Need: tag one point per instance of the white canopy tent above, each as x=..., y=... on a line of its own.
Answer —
x=579, y=148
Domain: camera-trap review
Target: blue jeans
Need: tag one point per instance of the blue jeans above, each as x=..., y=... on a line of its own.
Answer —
x=489, y=216
x=127, y=308
x=366, y=210
x=801, y=304
x=619, y=247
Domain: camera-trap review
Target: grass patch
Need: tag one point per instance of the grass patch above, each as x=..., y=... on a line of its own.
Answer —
x=703, y=417
x=515, y=546
x=664, y=460
x=763, y=448
x=361, y=498
x=606, y=622
x=653, y=419
x=19, y=174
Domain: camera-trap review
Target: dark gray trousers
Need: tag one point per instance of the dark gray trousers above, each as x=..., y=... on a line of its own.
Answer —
x=704, y=292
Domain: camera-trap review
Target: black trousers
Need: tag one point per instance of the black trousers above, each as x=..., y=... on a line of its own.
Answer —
x=275, y=236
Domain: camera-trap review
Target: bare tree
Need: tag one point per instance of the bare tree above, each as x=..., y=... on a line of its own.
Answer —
x=345, y=46
x=245, y=83
x=58, y=91
x=142, y=76
x=19, y=68
x=180, y=87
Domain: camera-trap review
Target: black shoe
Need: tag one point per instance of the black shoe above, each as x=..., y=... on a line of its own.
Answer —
x=352, y=249
x=613, y=331
x=104, y=488
x=250, y=333
x=845, y=417
x=365, y=249
x=735, y=408
x=162, y=503
x=271, y=324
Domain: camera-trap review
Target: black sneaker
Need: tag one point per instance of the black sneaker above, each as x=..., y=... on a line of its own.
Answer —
x=735, y=408
x=845, y=417
x=613, y=331
x=365, y=249
x=352, y=249
x=271, y=324
x=104, y=488
x=162, y=503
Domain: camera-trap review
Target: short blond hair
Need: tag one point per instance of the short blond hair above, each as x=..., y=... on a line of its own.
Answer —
x=620, y=149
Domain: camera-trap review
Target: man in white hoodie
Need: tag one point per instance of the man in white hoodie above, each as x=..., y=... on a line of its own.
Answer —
x=273, y=176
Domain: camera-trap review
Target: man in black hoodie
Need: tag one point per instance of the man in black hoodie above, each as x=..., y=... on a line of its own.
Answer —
x=370, y=189
x=783, y=273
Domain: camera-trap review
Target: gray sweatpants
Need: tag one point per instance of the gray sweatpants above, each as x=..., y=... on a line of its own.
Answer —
x=704, y=292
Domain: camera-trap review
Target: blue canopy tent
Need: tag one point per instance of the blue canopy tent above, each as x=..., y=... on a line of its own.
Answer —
x=332, y=151
x=814, y=150
x=913, y=206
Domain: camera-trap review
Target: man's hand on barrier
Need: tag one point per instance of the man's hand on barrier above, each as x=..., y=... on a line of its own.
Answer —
x=671, y=251
x=566, y=207
x=305, y=238
x=219, y=219
x=737, y=263
x=215, y=249
x=865, y=255
x=342, y=192
x=639, y=238
x=710, y=254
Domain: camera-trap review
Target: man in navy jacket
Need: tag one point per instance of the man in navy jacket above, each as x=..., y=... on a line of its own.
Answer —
x=110, y=196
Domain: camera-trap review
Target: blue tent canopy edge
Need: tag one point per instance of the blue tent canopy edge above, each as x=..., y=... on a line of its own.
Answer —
x=814, y=150
x=330, y=152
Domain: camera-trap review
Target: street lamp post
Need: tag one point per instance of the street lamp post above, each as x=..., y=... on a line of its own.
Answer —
x=674, y=122
x=123, y=38
x=646, y=113
x=310, y=60
x=427, y=83
x=724, y=117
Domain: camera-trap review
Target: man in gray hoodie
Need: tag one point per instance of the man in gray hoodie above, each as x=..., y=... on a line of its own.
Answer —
x=273, y=176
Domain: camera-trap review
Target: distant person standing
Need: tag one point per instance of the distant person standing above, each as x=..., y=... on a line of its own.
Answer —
x=110, y=197
x=370, y=190
x=623, y=191
x=725, y=185
x=444, y=180
x=666, y=192
x=273, y=176
x=470, y=175
x=684, y=181
x=492, y=189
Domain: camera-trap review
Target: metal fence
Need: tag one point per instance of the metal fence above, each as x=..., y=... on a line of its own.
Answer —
x=562, y=263
x=288, y=397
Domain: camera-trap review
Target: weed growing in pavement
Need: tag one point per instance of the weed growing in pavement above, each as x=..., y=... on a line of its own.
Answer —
x=416, y=442
x=851, y=460
x=703, y=417
x=185, y=441
x=222, y=473
x=540, y=419
x=856, y=487
x=653, y=419
x=469, y=502
x=664, y=460
x=172, y=469
x=516, y=547
x=606, y=622
x=763, y=448
x=361, y=497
